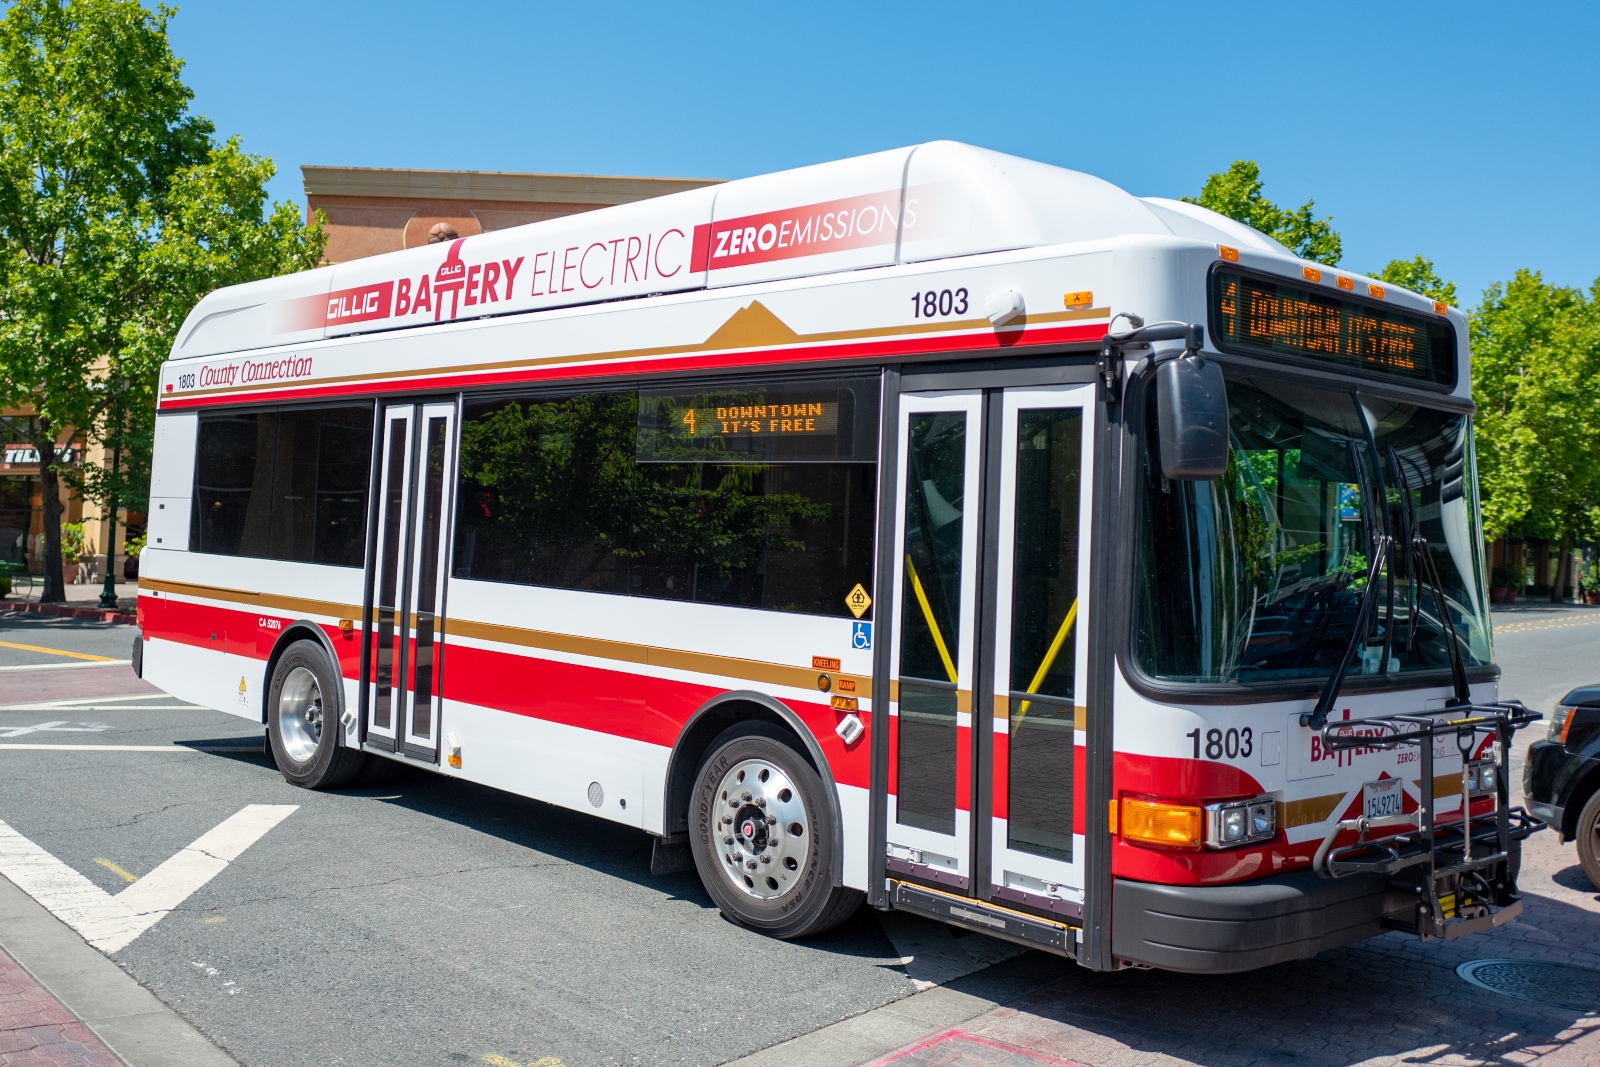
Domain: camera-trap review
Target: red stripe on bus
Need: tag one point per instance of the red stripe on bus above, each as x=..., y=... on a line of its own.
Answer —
x=609, y=701
x=863, y=350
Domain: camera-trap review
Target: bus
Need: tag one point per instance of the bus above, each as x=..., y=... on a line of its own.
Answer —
x=1185, y=654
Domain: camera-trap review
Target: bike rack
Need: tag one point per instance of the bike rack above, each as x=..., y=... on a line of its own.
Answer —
x=1458, y=875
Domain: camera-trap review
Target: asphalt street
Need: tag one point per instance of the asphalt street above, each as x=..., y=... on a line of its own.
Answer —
x=416, y=920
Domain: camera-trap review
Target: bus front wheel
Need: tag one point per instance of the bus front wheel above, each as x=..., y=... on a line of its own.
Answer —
x=303, y=720
x=762, y=835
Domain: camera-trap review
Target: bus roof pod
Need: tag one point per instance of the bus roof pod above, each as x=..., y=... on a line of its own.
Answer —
x=926, y=202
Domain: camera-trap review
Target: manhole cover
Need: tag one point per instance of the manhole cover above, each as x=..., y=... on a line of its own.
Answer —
x=1556, y=984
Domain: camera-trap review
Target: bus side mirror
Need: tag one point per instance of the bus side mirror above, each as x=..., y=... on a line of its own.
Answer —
x=1192, y=413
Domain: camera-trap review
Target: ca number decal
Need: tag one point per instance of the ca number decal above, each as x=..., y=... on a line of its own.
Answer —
x=1231, y=743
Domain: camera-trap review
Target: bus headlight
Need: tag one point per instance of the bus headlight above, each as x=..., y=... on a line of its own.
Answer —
x=1232, y=823
x=1482, y=777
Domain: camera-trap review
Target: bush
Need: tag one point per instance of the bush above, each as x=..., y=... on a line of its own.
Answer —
x=1509, y=576
x=1591, y=579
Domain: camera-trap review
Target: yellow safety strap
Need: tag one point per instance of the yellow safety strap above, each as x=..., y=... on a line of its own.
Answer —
x=1049, y=661
x=933, y=626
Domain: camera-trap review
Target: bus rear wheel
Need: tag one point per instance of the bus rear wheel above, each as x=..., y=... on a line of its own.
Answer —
x=303, y=720
x=763, y=836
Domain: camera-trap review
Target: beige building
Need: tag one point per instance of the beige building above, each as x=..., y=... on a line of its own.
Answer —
x=378, y=209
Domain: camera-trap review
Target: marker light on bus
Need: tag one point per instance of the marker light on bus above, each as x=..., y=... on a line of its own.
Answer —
x=1160, y=822
x=1232, y=823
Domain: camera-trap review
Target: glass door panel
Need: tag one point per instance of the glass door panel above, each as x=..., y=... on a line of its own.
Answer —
x=931, y=797
x=428, y=565
x=385, y=628
x=1041, y=646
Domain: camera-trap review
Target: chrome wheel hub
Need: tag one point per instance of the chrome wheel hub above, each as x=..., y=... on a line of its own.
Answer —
x=762, y=829
x=300, y=715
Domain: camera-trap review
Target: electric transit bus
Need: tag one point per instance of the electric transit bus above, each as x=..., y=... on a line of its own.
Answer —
x=1184, y=657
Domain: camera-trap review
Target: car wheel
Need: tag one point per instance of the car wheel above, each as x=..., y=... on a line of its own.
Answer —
x=1588, y=833
x=303, y=706
x=763, y=835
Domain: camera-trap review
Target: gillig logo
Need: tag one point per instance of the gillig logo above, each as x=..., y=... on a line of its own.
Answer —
x=466, y=285
x=451, y=277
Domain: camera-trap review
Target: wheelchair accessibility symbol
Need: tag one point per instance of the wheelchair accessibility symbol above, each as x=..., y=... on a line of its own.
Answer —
x=861, y=635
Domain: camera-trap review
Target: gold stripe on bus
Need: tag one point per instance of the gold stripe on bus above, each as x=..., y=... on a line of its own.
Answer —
x=1002, y=710
x=963, y=697
x=653, y=656
x=768, y=338
x=1312, y=810
x=289, y=605
x=594, y=647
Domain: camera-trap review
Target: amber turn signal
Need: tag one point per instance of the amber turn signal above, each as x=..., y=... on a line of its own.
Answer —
x=1160, y=822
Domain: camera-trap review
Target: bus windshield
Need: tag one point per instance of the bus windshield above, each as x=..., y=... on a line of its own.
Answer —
x=1258, y=577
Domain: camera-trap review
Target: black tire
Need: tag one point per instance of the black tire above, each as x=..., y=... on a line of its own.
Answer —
x=303, y=709
x=1588, y=835
x=770, y=897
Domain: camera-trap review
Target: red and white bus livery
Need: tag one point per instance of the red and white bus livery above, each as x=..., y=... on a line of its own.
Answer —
x=935, y=527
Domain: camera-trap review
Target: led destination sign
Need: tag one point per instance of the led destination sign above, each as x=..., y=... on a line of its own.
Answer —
x=827, y=420
x=1256, y=316
x=762, y=420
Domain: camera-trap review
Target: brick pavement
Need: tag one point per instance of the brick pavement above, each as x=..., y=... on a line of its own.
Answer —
x=1392, y=1000
x=37, y=1031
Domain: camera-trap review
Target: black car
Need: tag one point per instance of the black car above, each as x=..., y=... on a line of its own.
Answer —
x=1561, y=780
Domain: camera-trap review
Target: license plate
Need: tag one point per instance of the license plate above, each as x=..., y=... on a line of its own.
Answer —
x=1382, y=798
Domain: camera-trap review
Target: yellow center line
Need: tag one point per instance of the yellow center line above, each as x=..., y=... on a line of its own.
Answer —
x=126, y=876
x=58, y=652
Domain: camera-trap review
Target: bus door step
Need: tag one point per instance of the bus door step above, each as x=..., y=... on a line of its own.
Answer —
x=985, y=918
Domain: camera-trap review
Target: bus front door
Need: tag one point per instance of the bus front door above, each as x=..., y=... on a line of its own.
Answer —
x=985, y=762
x=404, y=628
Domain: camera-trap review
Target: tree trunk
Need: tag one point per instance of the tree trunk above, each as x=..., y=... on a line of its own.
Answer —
x=1563, y=579
x=55, y=589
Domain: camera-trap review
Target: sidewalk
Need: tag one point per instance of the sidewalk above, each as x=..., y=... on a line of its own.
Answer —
x=36, y=1028
x=83, y=601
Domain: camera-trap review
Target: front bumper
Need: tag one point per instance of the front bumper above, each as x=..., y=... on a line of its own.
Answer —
x=1218, y=929
x=1548, y=779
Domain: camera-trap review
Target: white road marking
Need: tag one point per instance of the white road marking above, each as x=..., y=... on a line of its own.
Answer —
x=58, y=727
x=931, y=953
x=103, y=707
x=110, y=748
x=67, y=666
x=111, y=923
x=74, y=702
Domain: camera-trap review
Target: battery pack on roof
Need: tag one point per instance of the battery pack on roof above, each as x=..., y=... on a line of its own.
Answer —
x=927, y=202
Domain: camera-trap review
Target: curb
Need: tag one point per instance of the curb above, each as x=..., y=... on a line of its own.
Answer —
x=124, y=1015
x=125, y=618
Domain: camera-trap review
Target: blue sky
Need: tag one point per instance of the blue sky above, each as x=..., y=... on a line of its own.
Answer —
x=1464, y=132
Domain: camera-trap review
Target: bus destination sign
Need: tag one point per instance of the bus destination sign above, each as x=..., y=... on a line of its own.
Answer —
x=1256, y=316
x=763, y=420
x=818, y=420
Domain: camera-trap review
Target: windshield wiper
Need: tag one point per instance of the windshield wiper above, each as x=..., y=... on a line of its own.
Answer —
x=1423, y=568
x=1318, y=716
x=1382, y=543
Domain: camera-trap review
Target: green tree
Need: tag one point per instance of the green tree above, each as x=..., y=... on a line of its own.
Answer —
x=1418, y=275
x=1236, y=193
x=1536, y=380
x=99, y=158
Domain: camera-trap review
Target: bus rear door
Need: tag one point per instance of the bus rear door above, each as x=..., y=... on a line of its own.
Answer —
x=405, y=625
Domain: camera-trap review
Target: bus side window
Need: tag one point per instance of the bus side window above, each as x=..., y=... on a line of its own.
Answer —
x=569, y=493
x=288, y=485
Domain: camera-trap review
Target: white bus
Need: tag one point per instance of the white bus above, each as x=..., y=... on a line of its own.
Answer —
x=1185, y=652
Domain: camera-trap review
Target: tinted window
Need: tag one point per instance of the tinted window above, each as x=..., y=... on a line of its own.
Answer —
x=288, y=485
x=574, y=493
